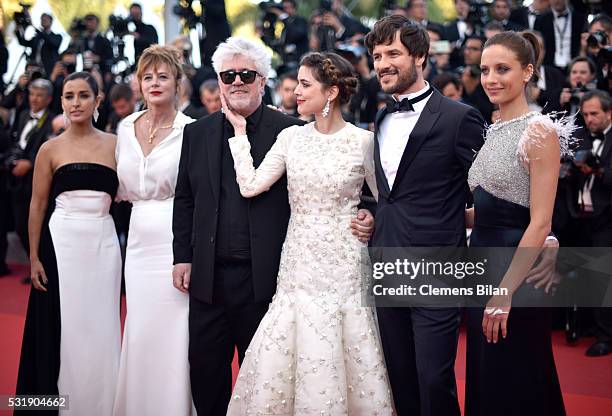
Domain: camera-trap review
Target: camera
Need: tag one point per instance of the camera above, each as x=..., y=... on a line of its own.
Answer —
x=477, y=15
x=325, y=6
x=598, y=39
x=587, y=157
x=183, y=9
x=22, y=17
x=119, y=25
x=78, y=27
x=579, y=91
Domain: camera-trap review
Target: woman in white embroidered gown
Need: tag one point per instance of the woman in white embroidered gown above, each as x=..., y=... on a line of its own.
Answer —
x=154, y=369
x=317, y=349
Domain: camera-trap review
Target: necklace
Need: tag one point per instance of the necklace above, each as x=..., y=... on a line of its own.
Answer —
x=499, y=124
x=153, y=132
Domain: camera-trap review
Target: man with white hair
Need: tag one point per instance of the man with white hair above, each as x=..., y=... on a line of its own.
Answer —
x=227, y=248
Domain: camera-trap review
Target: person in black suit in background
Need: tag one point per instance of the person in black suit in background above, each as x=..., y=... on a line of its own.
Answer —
x=525, y=16
x=293, y=41
x=457, y=31
x=473, y=93
x=595, y=195
x=549, y=84
x=419, y=206
x=561, y=28
x=500, y=12
x=33, y=126
x=227, y=248
x=44, y=45
x=96, y=47
x=145, y=35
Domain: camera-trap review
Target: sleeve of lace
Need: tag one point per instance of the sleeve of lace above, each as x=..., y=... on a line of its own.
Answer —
x=253, y=181
x=540, y=128
x=368, y=155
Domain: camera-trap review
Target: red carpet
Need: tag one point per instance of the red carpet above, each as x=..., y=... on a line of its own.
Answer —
x=586, y=382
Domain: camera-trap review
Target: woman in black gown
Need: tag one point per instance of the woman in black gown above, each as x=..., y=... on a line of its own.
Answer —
x=510, y=364
x=71, y=340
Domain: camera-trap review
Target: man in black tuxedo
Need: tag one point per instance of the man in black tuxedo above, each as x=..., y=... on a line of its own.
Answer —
x=561, y=28
x=595, y=195
x=44, y=45
x=500, y=12
x=227, y=248
x=33, y=127
x=423, y=151
x=525, y=16
x=145, y=35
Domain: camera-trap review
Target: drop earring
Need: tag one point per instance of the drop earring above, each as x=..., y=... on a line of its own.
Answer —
x=325, y=111
x=96, y=114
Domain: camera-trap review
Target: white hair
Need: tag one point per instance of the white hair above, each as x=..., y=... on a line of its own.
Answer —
x=234, y=46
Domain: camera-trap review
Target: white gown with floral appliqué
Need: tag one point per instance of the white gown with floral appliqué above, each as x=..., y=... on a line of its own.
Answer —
x=317, y=350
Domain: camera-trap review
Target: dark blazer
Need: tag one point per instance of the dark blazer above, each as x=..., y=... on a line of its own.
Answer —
x=520, y=16
x=545, y=25
x=37, y=136
x=48, y=43
x=148, y=36
x=195, y=112
x=103, y=48
x=426, y=206
x=601, y=192
x=549, y=97
x=196, y=205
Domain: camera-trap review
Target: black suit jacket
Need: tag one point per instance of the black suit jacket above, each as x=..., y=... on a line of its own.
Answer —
x=545, y=25
x=520, y=16
x=148, y=37
x=48, y=43
x=37, y=136
x=196, y=205
x=103, y=48
x=426, y=206
x=601, y=192
x=549, y=97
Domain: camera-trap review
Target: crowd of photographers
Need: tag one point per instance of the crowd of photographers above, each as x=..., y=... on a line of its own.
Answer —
x=573, y=75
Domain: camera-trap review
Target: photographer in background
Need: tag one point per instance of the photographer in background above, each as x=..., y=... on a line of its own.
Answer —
x=97, y=50
x=581, y=78
x=64, y=67
x=293, y=40
x=332, y=23
x=473, y=92
x=596, y=44
x=594, y=161
x=44, y=45
x=31, y=130
x=144, y=35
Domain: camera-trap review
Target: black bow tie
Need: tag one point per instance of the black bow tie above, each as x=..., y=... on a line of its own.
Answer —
x=406, y=104
x=34, y=117
x=599, y=136
x=563, y=14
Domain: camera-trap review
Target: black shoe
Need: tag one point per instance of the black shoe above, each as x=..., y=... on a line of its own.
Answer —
x=26, y=280
x=599, y=348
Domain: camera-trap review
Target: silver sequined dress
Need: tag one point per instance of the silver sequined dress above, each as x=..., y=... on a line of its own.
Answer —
x=317, y=350
x=501, y=166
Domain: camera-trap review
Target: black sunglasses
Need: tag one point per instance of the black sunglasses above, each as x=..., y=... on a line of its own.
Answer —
x=246, y=75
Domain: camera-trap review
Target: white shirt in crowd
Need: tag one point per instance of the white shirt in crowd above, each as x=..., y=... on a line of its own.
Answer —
x=562, y=25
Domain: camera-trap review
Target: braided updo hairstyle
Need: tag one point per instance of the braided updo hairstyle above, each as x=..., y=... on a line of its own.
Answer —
x=331, y=70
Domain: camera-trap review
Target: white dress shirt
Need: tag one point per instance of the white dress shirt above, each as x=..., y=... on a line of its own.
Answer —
x=394, y=133
x=563, y=38
x=35, y=118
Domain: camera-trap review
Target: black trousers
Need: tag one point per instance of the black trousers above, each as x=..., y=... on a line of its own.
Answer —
x=21, y=212
x=216, y=330
x=601, y=236
x=5, y=224
x=420, y=346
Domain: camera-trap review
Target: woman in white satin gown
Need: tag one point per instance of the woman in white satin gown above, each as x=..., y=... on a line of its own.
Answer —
x=72, y=334
x=317, y=349
x=154, y=369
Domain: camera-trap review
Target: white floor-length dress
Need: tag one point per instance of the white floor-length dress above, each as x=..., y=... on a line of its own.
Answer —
x=154, y=368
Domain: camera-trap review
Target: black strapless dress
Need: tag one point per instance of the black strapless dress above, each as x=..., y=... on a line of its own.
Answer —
x=516, y=376
x=71, y=339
